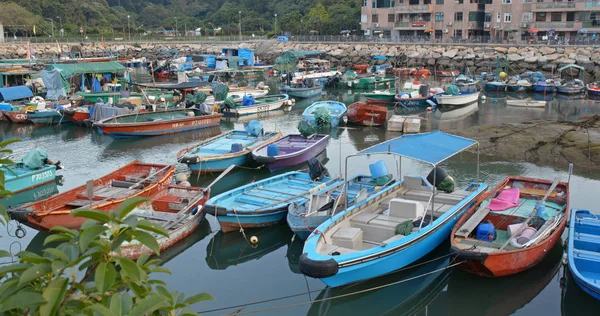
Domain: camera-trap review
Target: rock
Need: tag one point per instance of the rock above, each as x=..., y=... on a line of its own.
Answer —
x=548, y=67
x=336, y=53
x=431, y=61
x=565, y=61
x=469, y=57
x=533, y=59
x=547, y=50
x=515, y=57
x=512, y=50
x=438, y=55
x=548, y=58
x=527, y=54
x=569, y=50
x=502, y=50
x=560, y=50
x=413, y=54
x=582, y=59
x=451, y=53
x=584, y=52
x=353, y=54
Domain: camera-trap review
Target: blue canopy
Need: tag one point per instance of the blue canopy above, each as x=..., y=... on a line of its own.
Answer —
x=432, y=148
x=15, y=93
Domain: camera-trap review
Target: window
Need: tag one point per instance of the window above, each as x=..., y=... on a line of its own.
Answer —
x=458, y=16
x=556, y=17
x=458, y=33
x=375, y=18
x=472, y=16
x=391, y=18
x=507, y=17
x=426, y=1
x=540, y=0
x=413, y=2
x=438, y=34
x=399, y=17
x=364, y=3
x=527, y=17
x=527, y=1
x=506, y=1
x=384, y=3
x=593, y=15
x=374, y=4
x=498, y=17
x=540, y=17
x=488, y=17
x=439, y=16
x=363, y=18
x=460, y=1
x=439, y=1
x=570, y=16
x=473, y=1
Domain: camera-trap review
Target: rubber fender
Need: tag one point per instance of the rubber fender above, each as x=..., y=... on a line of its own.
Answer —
x=318, y=268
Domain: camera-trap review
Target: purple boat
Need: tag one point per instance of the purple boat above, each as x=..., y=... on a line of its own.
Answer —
x=291, y=150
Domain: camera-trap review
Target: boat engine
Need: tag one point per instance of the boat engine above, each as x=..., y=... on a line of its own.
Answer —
x=316, y=169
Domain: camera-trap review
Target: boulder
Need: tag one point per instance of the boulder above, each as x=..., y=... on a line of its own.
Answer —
x=527, y=54
x=547, y=58
x=512, y=50
x=451, y=53
x=584, y=51
x=548, y=67
x=533, y=59
x=515, y=57
x=431, y=61
x=565, y=61
x=469, y=57
x=438, y=55
x=545, y=50
x=582, y=59
x=502, y=50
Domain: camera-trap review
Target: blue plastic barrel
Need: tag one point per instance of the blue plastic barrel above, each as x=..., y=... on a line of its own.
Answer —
x=378, y=169
x=486, y=231
x=5, y=107
x=272, y=150
x=235, y=147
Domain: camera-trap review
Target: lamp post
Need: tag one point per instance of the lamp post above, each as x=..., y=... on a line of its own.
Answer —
x=52, y=23
x=240, y=23
x=128, y=27
x=62, y=31
x=275, y=27
x=175, y=26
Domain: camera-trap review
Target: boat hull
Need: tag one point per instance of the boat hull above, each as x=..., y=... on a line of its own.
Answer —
x=210, y=166
x=47, y=118
x=566, y=90
x=339, y=110
x=303, y=92
x=360, y=113
x=256, y=109
x=457, y=100
x=78, y=118
x=442, y=73
x=591, y=91
x=233, y=223
x=29, y=180
x=293, y=159
x=414, y=102
x=16, y=117
x=156, y=128
x=543, y=88
x=495, y=87
x=582, y=248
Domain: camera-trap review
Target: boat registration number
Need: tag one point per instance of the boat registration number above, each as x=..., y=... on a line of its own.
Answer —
x=41, y=176
x=263, y=108
x=21, y=116
x=192, y=123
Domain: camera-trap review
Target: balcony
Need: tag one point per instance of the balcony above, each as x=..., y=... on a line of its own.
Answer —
x=591, y=24
x=412, y=25
x=402, y=24
x=554, y=25
x=592, y=4
x=555, y=5
x=413, y=8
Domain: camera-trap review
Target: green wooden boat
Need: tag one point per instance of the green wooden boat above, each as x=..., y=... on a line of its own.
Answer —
x=92, y=97
x=381, y=95
x=367, y=82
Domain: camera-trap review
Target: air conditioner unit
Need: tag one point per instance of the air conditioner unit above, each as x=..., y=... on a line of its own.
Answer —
x=376, y=24
x=445, y=31
x=449, y=23
x=524, y=24
x=486, y=25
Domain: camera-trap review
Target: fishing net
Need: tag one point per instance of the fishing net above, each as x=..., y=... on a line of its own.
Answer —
x=322, y=116
x=452, y=90
x=305, y=129
x=350, y=75
x=196, y=100
x=229, y=103
x=220, y=92
x=404, y=228
x=254, y=128
x=35, y=158
x=447, y=185
x=381, y=180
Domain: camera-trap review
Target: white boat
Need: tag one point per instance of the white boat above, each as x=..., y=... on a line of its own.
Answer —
x=526, y=103
x=238, y=95
x=262, y=104
x=457, y=99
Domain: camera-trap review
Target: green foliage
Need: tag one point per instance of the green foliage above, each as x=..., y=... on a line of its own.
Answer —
x=86, y=274
x=4, y=152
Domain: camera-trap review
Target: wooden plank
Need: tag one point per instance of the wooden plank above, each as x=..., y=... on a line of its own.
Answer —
x=536, y=192
x=78, y=203
x=466, y=229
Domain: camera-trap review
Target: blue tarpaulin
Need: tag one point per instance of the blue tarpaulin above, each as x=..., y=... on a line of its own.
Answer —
x=15, y=93
x=432, y=148
x=54, y=84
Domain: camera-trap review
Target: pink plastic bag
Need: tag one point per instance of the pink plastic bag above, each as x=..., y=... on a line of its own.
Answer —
x=506, y=199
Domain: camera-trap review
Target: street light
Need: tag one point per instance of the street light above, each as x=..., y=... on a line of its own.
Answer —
x=240, y=23
x=128, y=27
x=52, y=23
x=275, y=28
x=175, y=26
x=62, y=31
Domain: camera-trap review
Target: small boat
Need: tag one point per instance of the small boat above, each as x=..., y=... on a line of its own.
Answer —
x=584, y=250
x=238, y=96
x=77, y=115
x=515, y=83
x=302, y=90
x=507, y=231
x=465, y=84
x=324, y=113
x=290, y=151
x=569, y=86
x=546, y=85
x=495, y=85
x=381, y=95
x=32, y=171
x=177, y=209
x=526, y=103
x=593, y=88
x=157, y=123
x=361, y=113
x=259, y=105
x=447, y=73
x=109, y=191
x=263, y=203
x=370, y=82
x=460, y=99
x=420, y=73
x=304, y=219
x=16, y=116
x=9, y=96
x=419, y=97
x=397, y=225
x=115, y=96
x=47, y=117
x=403, y=71
x=230, y=148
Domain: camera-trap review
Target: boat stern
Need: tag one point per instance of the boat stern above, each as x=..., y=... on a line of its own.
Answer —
x=319, y=269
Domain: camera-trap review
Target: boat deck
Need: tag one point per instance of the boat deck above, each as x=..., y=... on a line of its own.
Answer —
x=291, y=144
x=223, y=145
x=586, y=247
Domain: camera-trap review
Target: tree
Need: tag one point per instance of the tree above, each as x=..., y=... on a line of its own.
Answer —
x=291, y=22
x=345, y=18
x=16, y=18
x=317, y=16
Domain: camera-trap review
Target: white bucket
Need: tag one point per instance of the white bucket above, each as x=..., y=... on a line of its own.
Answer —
x=514, y=229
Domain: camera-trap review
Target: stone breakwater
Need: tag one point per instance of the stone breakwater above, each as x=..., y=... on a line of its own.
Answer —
x=477, y=58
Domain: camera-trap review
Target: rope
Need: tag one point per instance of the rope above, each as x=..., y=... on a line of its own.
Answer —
x=241, y=228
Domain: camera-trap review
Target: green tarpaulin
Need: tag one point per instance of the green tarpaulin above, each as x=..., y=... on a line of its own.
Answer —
x=287, y=61
x=68, y=70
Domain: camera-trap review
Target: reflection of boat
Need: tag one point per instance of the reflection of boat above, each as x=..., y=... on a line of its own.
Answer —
x=526, y=103
x=293, y=254
x=32, y=195
x=584, y=250
x=366, y=137
x=230, y=249
x=574, y=301
x=443, y=113
x=541, y=96
x=184, y=244
x=421, y=287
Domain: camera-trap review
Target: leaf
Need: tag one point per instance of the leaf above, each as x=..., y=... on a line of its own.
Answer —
x=53, y=294
x=149, y=226
x=57, y=266
x=27, y=256
x=9, y=141
x=131, y=221
x=137, y=290
x=198, y=298
x=142, y=258
x=37, y=271
x=117, y=242
x=147, y=239
x=72, y=251
x=164, y=292
x=8, y=284
x=159, y=269
x=56, y=238
x=15, y=267
x=56, y=253
x=22, y=299
x=121, y=304
x=60, y=229
x=100, y=309
x=157, y=282
x=89, y=234
x=129, y=268
x=105, y=276
x=147, y=305
x=129, y=205
x=187, y=312
x=4, y=253
x=92, y=214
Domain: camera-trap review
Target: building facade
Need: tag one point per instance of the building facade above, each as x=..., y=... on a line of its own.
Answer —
x=450, y=20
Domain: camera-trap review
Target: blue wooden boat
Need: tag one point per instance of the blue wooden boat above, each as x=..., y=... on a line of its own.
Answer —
x=304, y=219
x=302, y=89
x=336, y=111
x=31, y=172
x=391, y=228
x=544, y=86
x=263, y=203
x=230, y=148
x=495, y=85
x=49, y=117
x=584, y=251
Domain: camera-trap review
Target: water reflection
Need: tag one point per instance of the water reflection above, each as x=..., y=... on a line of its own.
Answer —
x=574, y=301
x=201, y=232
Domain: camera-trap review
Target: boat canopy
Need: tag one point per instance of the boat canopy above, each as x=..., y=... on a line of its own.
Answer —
x=432, y=148
x=15, y=93
x=570, y=66
x=68, y=70
x=174, y=86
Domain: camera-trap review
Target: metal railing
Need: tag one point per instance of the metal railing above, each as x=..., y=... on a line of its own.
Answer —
x=554, y=5
x=134, y=39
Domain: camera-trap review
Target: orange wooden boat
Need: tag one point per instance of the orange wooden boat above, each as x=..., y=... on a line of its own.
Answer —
x=133, y=179
x=420, y=73
x=77, y=117
x=179, y=210
x=361, y=69
x=494, y=243
x=16, y=117
x=447, y=73
x=404, y=71
x=367, y=114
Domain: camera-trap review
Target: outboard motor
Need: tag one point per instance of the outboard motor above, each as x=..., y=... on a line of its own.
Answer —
x=443, y=181
x=316, y=169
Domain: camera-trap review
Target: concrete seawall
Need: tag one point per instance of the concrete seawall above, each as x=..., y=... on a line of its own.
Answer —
x=477, y=57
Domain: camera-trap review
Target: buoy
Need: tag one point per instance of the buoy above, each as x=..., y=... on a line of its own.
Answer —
x=429, y=109
x=483, y=98
x=502, y=75
x=254, y=240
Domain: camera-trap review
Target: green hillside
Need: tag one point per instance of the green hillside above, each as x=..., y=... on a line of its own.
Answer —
x=108, y=17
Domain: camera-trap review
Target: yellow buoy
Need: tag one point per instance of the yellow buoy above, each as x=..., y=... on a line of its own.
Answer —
x=502, y=75
x=254, y=240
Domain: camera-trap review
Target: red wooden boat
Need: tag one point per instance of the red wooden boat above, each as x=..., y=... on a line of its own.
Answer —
x=133, y=179
x=367, y=114
x=177, y=209
x=447, y=73
x=360, y=69
x=420, y=73
x=157, y=123
x=486, y=243
x=77, y=117
x=404, y=71
x=16, y=117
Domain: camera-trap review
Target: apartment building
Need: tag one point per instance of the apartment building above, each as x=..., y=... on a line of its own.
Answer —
x=469, y=19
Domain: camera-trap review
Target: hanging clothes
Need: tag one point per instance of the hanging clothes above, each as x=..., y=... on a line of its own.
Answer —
x=96, y=85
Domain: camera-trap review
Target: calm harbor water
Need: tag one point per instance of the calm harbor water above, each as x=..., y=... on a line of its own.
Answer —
x=236, y=273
